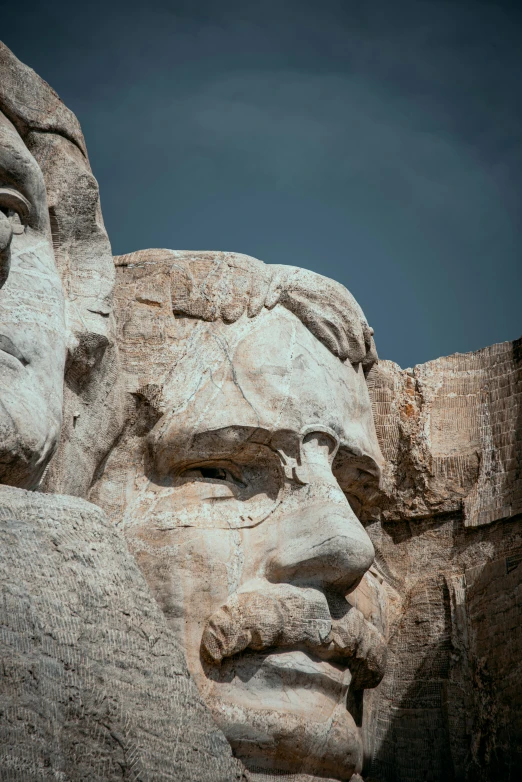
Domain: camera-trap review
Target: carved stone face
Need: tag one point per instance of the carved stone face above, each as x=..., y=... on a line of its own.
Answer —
x=237, y=519
x=32, y=330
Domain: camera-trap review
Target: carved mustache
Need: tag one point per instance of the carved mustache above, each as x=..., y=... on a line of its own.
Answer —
x=286, y=616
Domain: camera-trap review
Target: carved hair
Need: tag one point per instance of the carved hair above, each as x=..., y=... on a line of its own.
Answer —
x=215, y=286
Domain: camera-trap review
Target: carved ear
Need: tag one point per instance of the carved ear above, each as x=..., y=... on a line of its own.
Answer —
x=14, y=211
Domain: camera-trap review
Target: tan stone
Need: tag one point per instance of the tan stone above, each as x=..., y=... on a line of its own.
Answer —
x=335, y=544
x=93, y=685
x=73, y=229
x=451, y=433
x=248, y=412
x=450, y=543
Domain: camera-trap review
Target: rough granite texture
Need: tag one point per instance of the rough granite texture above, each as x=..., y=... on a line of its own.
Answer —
x=248, y=410
x=286, y=650
x=92, y=683
x=93, y=686
x=450, y=543
x=92, y=414
x=451, y=433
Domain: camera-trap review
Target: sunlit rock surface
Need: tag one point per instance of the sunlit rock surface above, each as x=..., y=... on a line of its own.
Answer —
x=292, y=552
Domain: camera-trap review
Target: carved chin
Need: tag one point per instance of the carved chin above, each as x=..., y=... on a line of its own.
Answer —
x=274, y=741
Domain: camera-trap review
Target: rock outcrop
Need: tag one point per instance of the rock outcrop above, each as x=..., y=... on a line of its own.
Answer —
x=92, y=413
x=312, y=555
x=451, y=433
x=450, y=543
x=93, y=685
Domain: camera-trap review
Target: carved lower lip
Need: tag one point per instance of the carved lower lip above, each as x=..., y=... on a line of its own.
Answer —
x=305, y=664
x=297, y=667
x=8, y=347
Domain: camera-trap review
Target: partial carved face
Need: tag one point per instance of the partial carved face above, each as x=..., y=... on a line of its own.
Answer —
x=236, y=516
x=32, y=330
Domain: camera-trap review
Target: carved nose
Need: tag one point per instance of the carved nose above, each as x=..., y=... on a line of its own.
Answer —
x=324, y=546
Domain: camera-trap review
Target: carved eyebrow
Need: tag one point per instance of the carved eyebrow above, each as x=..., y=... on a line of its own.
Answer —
x=213, y=444
x=234, y=435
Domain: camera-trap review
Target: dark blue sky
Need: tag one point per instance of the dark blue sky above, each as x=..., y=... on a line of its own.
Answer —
x=377, y=142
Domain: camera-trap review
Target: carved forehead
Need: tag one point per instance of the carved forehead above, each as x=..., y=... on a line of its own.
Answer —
x=224, y=287
x=268, y=373
x=211, y=341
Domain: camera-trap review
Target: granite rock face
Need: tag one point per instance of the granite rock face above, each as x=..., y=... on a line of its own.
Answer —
x=451, y=432
x=248, y=410
x=93, y=684
x=450, y=543
x=51, y=135
x=293, y=547
x=445, y=524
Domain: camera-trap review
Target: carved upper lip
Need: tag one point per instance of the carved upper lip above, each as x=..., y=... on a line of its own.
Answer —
x=284, y=617
x=8, y=346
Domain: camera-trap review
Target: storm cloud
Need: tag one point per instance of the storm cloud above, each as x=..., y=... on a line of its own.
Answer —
x=377, y=143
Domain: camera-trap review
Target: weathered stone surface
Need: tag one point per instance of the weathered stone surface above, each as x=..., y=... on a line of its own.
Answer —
x=247, y=411
x=237, y=444
x=447, y=706
x=451, y=432
x=450, y=543
x=32, y=325
x=93, y=685
x=73, y=228
x=448, y=429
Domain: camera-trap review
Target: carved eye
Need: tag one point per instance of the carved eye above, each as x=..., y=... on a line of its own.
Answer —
x=209, y=472
x=15, y=207
x=216, y=473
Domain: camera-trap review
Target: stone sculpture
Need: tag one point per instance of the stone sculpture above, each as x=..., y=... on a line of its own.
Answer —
x=252, y=425
x=93, y=685
x=287, y=545
x=32, y=338
x=65, y=220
